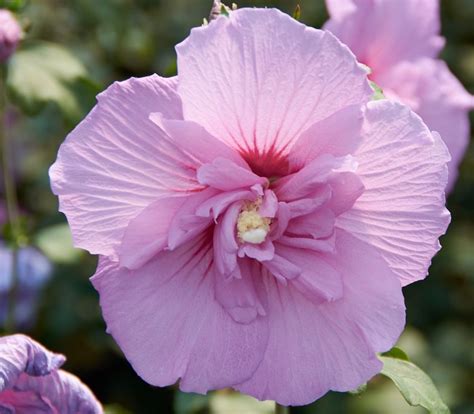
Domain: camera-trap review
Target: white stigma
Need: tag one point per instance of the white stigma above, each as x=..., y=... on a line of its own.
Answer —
x=251, y=226
x=255, y=236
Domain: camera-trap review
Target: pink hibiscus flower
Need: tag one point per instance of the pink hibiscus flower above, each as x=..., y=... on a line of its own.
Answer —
x=399, y=42
x=31, y=381
x=255, y=216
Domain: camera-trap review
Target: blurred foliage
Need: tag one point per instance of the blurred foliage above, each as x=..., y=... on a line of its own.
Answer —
x=14, y=5
x=35, y=80
x=98, y=42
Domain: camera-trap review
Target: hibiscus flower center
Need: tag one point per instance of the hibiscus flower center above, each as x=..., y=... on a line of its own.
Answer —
x=251, y=226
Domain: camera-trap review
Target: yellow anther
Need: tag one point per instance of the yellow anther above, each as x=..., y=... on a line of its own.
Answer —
x=251, y=226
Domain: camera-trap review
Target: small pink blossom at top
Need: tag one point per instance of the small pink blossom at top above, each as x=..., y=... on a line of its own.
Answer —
x=255, y=216
x=10, y=34
x=32, y=383
x=399, y=41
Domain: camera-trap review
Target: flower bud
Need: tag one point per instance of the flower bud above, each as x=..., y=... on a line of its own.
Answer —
x=10, y=34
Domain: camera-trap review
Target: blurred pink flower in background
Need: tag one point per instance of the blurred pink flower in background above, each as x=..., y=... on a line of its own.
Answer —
x=399, y=41
x=255, y=216
x=10, y=34
x=31, y=381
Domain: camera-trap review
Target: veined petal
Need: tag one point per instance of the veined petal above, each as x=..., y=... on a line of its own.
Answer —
x=117, y=161
x=331, y=346
x=373, y=301
x=403, y=168
x=252, y=81
x=196, y=143
x=167, y=321
x=433, y=92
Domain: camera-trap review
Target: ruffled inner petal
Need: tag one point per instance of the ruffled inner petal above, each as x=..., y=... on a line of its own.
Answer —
x=148, y=233
x=339, y=135
x=186, y=224
x=238, y=295
x=225, y=244
x=224, y=175
x=309, y=180
x=318, y=280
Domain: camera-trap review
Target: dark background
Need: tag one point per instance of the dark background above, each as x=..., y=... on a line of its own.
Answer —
x=116, y=39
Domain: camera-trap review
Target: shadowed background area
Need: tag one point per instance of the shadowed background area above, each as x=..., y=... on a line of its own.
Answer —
x=117, y=39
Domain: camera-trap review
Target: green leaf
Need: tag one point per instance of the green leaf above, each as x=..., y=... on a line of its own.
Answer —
x=397, y=353
x=414, y=384
x=56, y=242
x=40, y=73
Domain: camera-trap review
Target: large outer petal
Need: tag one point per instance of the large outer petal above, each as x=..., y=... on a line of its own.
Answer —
x=384, y=32
x=402, y=210
x=313, y=349
x=168, y=323
x=434, y=93
x=257, y=79
x=117, y=161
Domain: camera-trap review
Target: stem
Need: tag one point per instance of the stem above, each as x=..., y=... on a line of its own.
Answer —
x=281, y=409
x=12, y=203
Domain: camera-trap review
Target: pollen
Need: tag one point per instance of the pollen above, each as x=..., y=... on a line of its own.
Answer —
x=251, y=226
